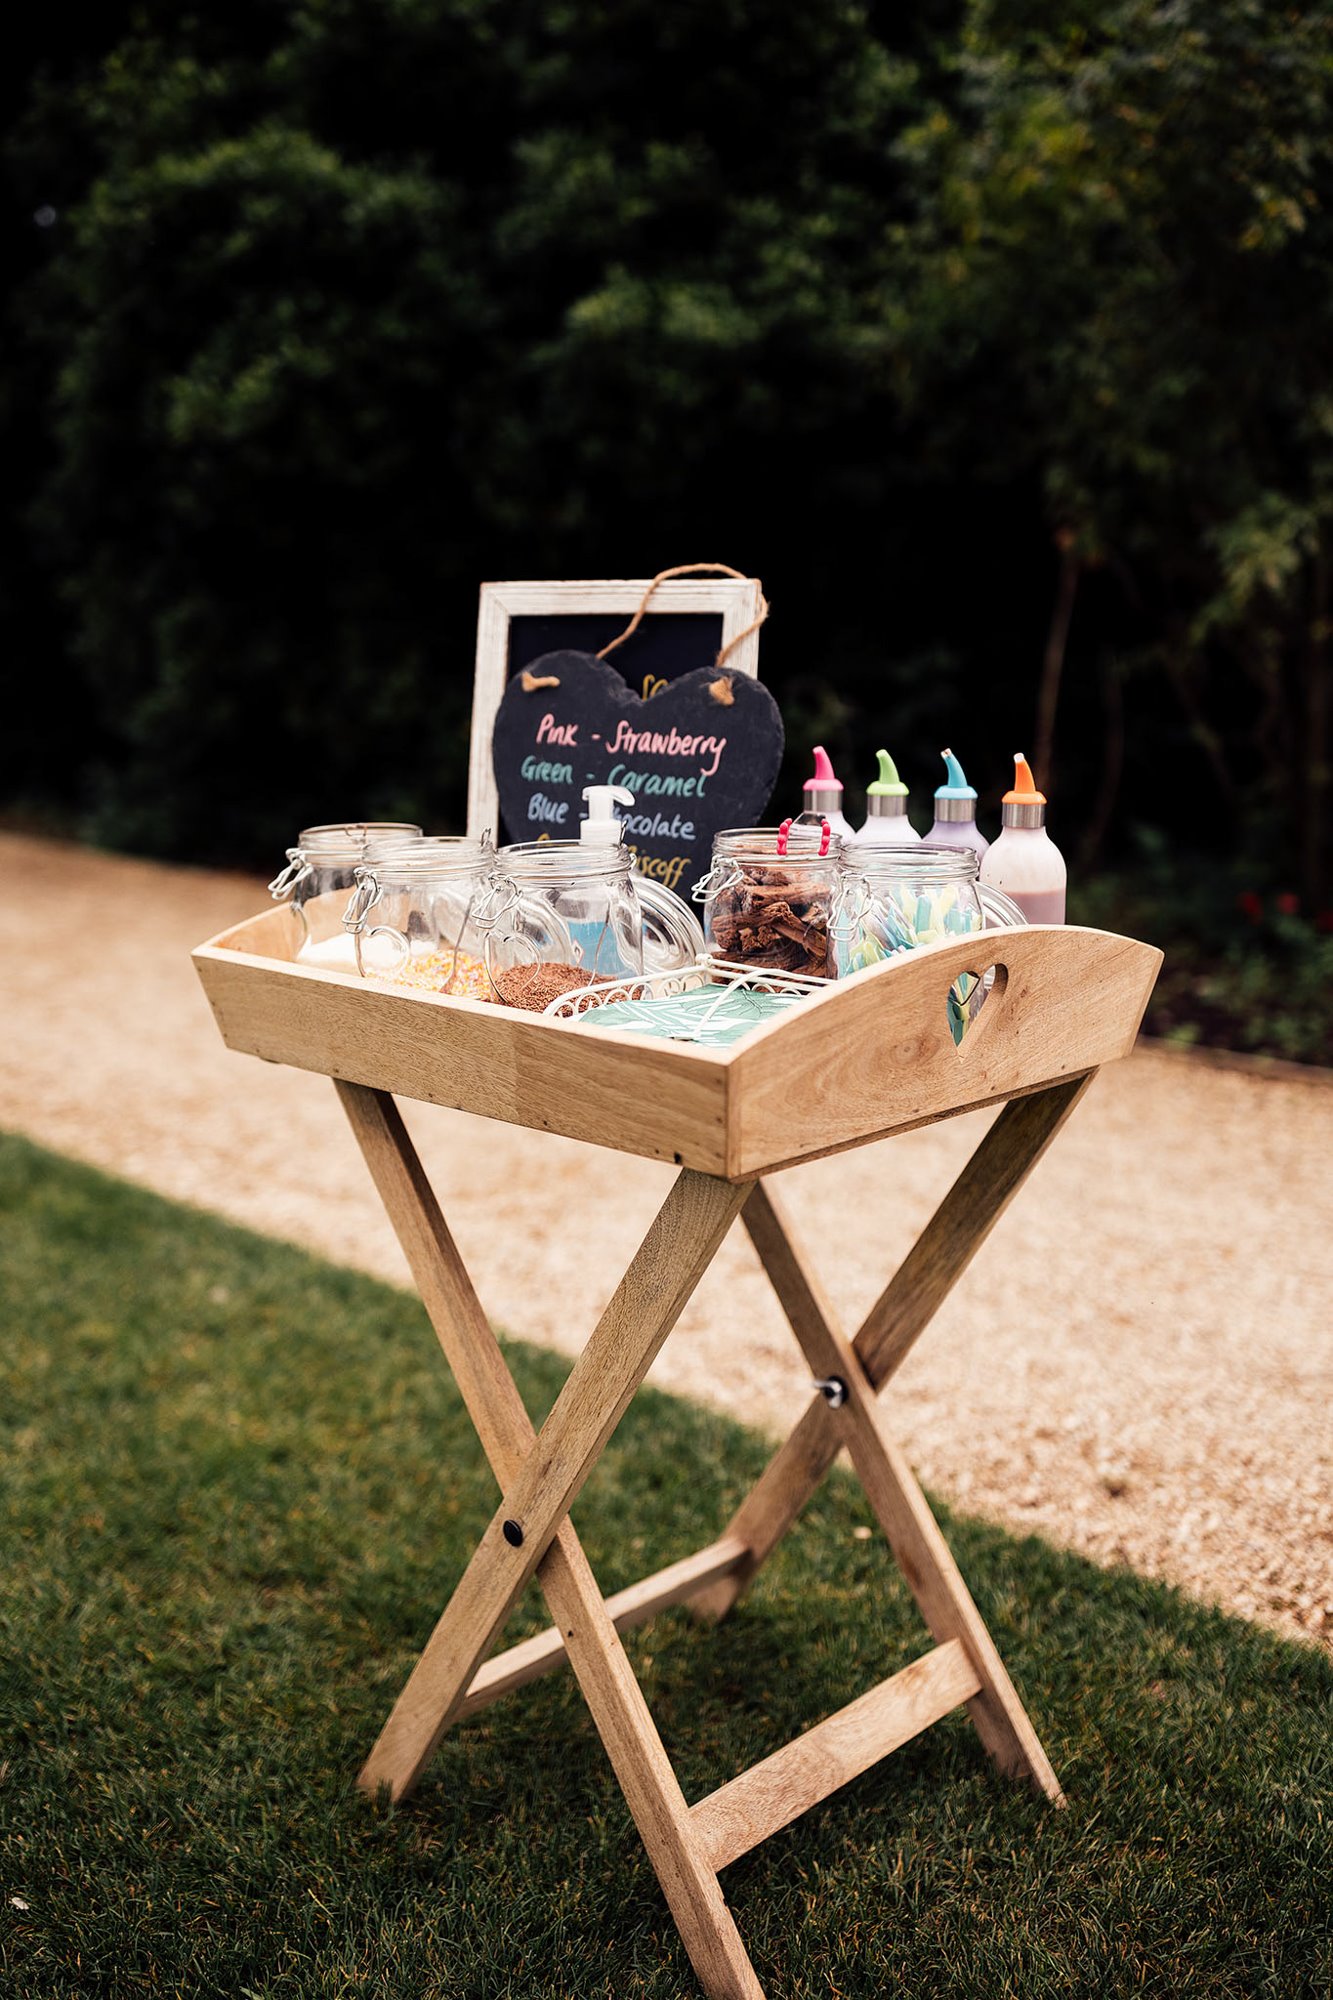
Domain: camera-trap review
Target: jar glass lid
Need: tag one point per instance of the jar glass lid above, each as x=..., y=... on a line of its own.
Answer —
x=760, y=843
x=356, y=832
x=436, y=854
x=549, y=860
x=912, y=864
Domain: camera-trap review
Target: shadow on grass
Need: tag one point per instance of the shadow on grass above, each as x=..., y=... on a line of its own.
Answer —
x=237, y=1487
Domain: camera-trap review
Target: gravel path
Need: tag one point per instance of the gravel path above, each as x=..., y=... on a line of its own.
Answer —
x=1139, y=1363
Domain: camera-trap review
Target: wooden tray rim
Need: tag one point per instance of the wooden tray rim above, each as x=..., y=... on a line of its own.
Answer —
x=220, y=947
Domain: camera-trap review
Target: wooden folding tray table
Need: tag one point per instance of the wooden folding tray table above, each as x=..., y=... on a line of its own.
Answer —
x=871, y=1056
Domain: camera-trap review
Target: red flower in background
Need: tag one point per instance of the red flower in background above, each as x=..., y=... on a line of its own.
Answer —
x=1251, y=905
x=1324, y=921
x=1288, y=904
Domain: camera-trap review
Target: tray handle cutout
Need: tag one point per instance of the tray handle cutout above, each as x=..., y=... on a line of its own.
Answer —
x=972, y=997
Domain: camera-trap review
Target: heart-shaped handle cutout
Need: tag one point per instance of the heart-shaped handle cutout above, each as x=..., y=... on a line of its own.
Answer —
x=966, y=999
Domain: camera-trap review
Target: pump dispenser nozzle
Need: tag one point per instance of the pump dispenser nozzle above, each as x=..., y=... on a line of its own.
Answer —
x=601, y=825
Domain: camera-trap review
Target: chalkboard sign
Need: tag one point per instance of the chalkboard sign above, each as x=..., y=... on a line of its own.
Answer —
x=702, y=752
x=687, y=622
x=660, y=651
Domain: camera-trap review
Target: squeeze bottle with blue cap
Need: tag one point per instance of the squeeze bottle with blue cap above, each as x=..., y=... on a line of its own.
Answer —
x=823, y=796
x=1025, y=862
x=956, y=812
x=887, y=824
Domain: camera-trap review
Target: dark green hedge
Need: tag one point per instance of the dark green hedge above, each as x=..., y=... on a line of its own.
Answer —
x=960, y=324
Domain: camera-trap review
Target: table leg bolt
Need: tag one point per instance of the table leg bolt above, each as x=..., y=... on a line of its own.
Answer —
x=513, y=1534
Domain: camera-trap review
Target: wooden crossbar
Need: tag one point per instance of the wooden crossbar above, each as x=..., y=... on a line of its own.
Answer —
x=774, y=1792
x=681, y=1242
x=634, y=1605
x=900, y=1506
x=614, y=1697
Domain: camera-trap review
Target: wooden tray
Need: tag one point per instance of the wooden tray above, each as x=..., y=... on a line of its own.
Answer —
x=871, y=1056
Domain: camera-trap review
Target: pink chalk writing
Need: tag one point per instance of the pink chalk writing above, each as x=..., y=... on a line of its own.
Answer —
x=668, y=743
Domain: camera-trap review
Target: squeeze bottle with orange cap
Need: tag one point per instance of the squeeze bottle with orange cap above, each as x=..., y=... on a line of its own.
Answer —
x=823, y=796
x=1025, y=862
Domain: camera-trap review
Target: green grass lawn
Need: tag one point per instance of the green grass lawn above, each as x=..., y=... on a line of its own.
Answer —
x=236, y=1487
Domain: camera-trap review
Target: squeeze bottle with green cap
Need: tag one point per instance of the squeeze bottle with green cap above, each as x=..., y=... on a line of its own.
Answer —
x=823, y=796
x=956, y=812
x=1025, y=862
x=887, y=824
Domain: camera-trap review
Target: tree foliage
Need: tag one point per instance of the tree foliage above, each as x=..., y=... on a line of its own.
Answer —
x=934, y=324
x=1128, y=236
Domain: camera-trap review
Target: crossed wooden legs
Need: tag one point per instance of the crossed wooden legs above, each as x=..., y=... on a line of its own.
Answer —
x=541, y=1475
x=657, y=1285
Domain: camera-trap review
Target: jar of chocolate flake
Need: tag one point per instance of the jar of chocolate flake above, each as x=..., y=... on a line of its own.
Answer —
x=767, y=897
x=560, y=914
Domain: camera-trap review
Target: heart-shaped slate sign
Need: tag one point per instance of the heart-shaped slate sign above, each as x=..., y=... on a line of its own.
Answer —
x=700, y=754
x=969, y=993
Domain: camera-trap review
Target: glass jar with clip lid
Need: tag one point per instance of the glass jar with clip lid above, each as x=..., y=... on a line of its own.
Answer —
x=768, y=894
x=893, y=899
x=320, y=869
x=897, y=899
x=415, y=914
x=569, y=913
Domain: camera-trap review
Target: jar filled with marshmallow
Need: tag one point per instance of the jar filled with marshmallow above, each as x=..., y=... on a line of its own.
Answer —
x=320, y=870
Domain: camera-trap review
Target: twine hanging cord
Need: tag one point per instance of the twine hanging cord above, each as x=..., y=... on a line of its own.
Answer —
x=697, y=569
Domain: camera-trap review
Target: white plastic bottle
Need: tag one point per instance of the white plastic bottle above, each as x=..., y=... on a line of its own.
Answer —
x=1025, y=862
x=887, y=824
x=672, y=934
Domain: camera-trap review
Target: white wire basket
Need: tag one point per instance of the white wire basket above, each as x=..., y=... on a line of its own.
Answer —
x=721, y=1020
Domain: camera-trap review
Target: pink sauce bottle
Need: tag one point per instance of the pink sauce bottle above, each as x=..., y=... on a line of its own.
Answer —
x=956, y=812
x=823, y=796
x=1025, y=862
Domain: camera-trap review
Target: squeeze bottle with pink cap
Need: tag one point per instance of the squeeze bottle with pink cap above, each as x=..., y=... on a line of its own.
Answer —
x=823, y=796
x=956, y=812
x=1025, y=862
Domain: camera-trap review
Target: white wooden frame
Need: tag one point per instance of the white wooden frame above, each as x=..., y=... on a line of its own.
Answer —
x=737, y=599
